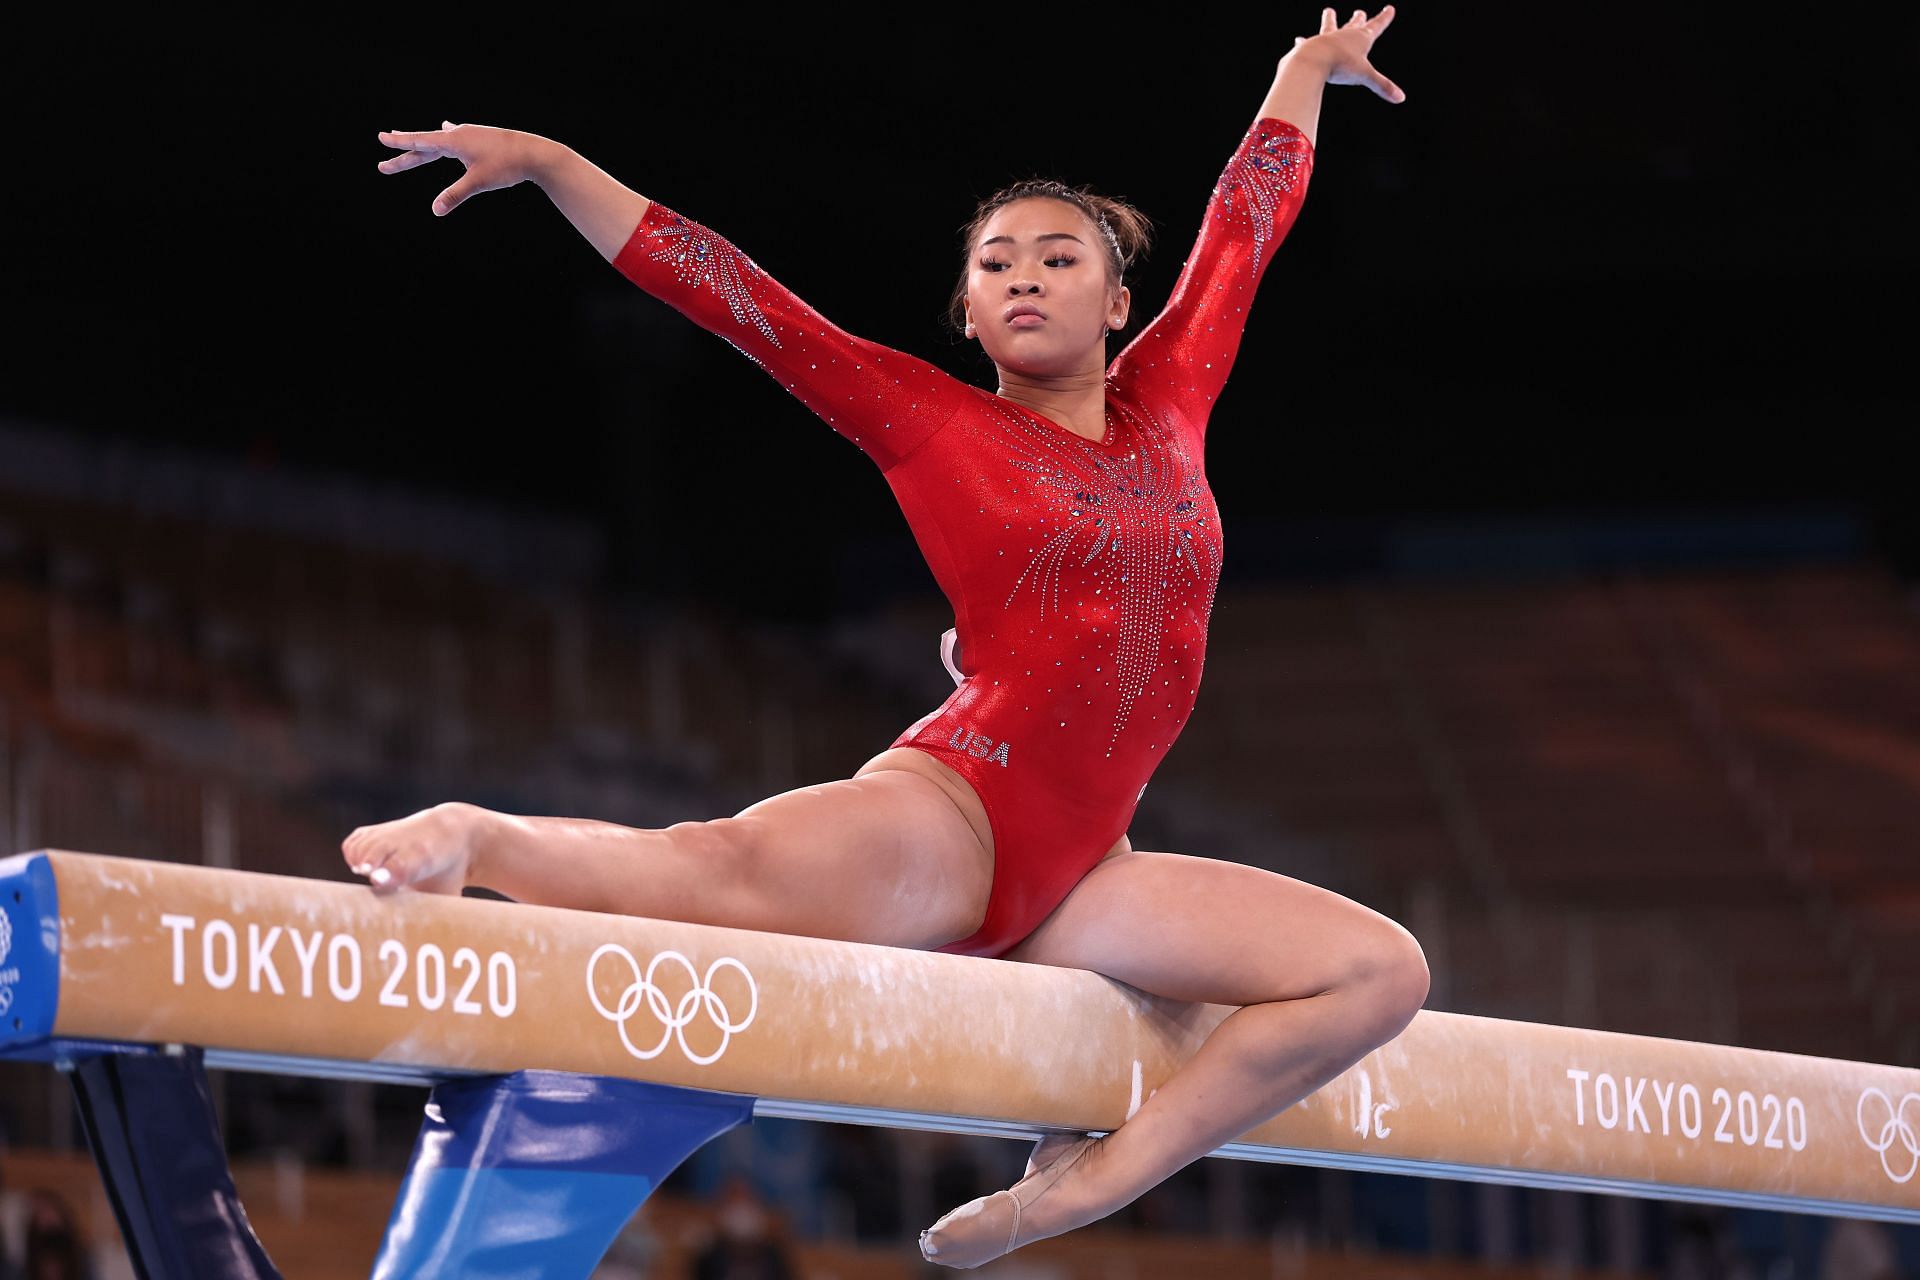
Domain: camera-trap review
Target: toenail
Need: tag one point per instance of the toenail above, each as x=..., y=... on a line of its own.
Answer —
x=381, y=876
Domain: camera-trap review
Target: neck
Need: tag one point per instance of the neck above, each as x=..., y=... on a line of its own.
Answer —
x=1076, y=400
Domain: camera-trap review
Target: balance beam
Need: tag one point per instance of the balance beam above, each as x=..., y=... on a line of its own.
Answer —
x=320, y=978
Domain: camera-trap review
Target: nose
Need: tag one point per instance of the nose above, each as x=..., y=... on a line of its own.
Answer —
x=1024, y=286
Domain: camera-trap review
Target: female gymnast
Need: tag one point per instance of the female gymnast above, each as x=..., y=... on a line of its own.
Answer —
x=1069, y=522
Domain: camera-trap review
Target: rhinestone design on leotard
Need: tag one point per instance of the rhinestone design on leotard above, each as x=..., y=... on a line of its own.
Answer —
x=705, y=260
x=1138, y=510
x=1258, y=177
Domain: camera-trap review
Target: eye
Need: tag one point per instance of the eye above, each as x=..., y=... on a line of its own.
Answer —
x=991, y=265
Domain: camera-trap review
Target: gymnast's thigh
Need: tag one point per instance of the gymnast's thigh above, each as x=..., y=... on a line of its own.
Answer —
x=885, y=858
x=1222, y=932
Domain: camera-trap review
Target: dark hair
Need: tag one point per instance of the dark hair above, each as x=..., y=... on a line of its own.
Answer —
x=1125, y=232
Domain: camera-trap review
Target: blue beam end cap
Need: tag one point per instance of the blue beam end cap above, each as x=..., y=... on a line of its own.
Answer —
x=29, y=950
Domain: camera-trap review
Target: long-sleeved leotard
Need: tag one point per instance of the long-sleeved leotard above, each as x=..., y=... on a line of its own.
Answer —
x=1081, y=572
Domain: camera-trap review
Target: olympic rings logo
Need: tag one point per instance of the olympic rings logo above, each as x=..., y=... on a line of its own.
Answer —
x=673, y=1020
x=1896, y=1128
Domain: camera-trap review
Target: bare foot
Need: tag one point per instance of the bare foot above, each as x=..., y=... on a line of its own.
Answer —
x=1049, y=1149
x=993, y=1226
x=430, y=851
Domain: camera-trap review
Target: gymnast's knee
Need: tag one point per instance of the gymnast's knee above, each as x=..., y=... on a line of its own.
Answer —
x=1395, y=980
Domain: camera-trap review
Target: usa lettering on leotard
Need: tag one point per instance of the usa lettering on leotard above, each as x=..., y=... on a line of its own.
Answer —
x=978, y=745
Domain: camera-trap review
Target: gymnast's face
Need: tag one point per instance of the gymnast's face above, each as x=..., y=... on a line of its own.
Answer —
x=1042, y=255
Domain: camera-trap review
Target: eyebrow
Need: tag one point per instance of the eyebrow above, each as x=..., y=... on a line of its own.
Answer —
x=1051, y=235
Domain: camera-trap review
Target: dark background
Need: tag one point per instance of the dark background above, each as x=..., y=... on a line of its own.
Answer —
x=1602, y=261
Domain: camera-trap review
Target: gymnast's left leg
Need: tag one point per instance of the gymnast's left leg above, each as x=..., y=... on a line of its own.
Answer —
x=1322, y=981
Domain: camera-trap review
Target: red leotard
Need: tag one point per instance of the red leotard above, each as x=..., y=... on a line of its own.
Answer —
x=1081, y=572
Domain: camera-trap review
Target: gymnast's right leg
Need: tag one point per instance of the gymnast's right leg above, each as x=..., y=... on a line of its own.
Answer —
x=886, y=858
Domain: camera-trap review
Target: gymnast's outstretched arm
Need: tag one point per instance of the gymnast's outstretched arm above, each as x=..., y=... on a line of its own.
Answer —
x=885, y=401
x=1180, y=360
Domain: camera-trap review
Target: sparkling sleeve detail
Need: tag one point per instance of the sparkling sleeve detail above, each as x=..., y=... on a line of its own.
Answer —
x=1263, y=183
x=885, y=401
x=1180, y=361
x=702, y=260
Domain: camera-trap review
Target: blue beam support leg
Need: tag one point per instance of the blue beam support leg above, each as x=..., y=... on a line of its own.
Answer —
x=150, y=1122
x=533, y=1174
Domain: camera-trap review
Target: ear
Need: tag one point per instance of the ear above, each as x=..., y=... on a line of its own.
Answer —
x=1123, y=303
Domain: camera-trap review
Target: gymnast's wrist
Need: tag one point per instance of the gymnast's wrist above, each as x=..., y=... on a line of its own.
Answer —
x=543, y=159
x=1311, y=54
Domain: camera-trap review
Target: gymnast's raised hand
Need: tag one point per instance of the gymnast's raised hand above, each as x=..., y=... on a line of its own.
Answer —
x=1345, y=49
x=603, y=210
x=495, y=158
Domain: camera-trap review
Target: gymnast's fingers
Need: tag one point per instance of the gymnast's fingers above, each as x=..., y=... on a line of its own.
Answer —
x=1328, y=21
x=408, y=160
x=428, y=140
x=451, y=198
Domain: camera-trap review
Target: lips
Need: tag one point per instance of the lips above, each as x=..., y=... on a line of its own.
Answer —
x=1020, y=309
